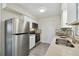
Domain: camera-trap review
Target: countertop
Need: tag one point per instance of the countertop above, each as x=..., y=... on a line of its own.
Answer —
x=60, y=50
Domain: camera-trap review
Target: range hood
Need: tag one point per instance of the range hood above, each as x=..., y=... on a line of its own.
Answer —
x=75, y=23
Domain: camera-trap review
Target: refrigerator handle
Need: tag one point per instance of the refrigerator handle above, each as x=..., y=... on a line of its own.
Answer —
x=20, y=33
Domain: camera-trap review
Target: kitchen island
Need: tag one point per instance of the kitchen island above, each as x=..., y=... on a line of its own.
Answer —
x=61, y=50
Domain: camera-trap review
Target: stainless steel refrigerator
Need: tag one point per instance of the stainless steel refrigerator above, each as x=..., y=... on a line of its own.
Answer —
x=16, y=37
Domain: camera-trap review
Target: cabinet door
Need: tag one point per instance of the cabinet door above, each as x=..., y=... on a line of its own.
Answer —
x=78, y=11
x=77, y=27
x=64, y=18
x=32, y=41
x=71, y=12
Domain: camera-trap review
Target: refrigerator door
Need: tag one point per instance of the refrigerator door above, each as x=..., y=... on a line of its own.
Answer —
x=19, y=26
x=8, y=38
x=23, y=42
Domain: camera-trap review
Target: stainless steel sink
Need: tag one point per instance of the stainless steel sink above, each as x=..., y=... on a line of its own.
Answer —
x=64, y=42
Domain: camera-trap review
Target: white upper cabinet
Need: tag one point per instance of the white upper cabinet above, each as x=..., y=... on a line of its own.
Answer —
x=71, y=12
x=64, y=18
x=68, y=14
x=64, y=15
x=78, y=11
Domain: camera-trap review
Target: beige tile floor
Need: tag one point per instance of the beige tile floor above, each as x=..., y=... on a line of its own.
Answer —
x=39, y=50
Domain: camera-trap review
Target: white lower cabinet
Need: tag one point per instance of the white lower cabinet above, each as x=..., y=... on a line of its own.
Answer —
x=32, y=41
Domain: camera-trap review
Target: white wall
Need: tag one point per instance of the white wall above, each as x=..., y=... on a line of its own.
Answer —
x=48, y=27
x=8, y=14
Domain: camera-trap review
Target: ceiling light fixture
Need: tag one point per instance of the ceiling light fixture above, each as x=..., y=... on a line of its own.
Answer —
x=42, y=9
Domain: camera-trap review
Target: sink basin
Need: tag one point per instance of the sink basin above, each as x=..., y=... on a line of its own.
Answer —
x=64, y=42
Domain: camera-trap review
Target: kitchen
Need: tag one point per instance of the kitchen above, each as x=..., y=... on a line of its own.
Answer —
x=47, y=23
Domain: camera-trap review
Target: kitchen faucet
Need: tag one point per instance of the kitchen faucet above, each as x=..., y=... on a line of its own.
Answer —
x=73, y=38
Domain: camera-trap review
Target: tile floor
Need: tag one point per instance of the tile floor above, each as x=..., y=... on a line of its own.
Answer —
x=39, y=50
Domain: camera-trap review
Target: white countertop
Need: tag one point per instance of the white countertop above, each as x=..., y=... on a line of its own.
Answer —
x=60, y=50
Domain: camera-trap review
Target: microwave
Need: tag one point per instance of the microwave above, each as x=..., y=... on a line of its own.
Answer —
x=35, y=26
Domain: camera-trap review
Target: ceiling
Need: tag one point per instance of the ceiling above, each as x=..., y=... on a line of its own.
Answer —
x=52, y=9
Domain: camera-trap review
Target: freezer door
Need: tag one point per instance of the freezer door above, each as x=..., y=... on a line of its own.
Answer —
x=23, y=45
